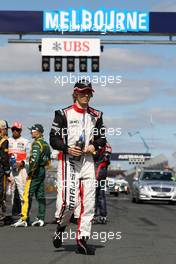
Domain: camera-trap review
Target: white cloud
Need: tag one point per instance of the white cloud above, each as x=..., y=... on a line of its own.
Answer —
x=126, y=123
x=170, y=91
x=20, y=57
x=160, y=115
x=130, y=91
x=42, y=90
x=129, y=59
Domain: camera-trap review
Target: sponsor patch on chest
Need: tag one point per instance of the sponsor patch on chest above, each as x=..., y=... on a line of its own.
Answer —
x=73, y=122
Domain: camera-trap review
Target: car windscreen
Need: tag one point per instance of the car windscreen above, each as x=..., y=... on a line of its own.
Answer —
x=157, y=176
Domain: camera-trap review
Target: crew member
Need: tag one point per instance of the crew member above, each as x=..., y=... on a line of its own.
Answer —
x=102, y=161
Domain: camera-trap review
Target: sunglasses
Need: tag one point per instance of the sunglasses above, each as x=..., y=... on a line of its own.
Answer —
x=84, y=93
x=16, y=129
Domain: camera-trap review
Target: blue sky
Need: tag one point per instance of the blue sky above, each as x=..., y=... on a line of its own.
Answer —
x=151, y=5
x=147, y=90
x=43, y=4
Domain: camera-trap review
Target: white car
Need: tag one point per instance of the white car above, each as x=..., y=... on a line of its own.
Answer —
x=118, y=185
x=154, y=185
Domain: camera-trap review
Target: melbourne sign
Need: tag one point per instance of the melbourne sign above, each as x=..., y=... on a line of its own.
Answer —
x=114, y=22
x=100, y=20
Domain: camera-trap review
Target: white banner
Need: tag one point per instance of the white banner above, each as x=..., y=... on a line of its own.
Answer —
x=70, y=47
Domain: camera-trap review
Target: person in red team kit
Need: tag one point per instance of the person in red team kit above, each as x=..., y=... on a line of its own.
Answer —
x=18, y=155
x=77, y=131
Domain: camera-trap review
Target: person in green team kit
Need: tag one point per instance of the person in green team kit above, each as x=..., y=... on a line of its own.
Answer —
x=39, y=158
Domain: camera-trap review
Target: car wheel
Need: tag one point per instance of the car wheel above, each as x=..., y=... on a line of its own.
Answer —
x=133, y=199
x=116, y=194
x=172, y=202
x=139, y=201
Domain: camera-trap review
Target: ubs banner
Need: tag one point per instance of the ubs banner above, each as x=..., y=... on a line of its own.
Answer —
x=70, y=47
x=110, y=21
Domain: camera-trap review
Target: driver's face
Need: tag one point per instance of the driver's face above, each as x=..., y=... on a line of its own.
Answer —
x=36, y=134
x=16, y=132
x=84, y=97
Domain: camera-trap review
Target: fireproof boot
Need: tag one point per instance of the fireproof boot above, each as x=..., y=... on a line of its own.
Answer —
x=57, y=238
x=83, y=248
x=103, y=220
x=20, y=223
x=38, y=222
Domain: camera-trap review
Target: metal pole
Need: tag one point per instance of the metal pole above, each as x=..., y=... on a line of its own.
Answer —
x=103, y=42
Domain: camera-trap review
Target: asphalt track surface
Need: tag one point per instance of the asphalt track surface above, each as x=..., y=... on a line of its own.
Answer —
x=148, y=236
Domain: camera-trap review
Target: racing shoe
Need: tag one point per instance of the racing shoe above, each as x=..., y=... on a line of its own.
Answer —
x=20, y=223
x=103, y=220
x=57, y=238
x=83, y=248
x=2, y=217
x=38, y=222
x=8, y=220
x=95, y=220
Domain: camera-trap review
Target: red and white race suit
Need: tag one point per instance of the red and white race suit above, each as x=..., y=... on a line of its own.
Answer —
x=17, y=148
x=76, y=179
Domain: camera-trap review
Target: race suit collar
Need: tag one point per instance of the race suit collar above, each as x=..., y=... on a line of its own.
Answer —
x=38, y=138
x=79, y=110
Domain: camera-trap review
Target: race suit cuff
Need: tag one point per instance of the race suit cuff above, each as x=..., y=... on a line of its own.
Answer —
x=66, y=149
x=96, y=146
x=7, y=173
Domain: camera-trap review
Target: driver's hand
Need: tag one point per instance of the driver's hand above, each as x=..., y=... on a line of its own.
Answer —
x=90, y=149
x=74, y=151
